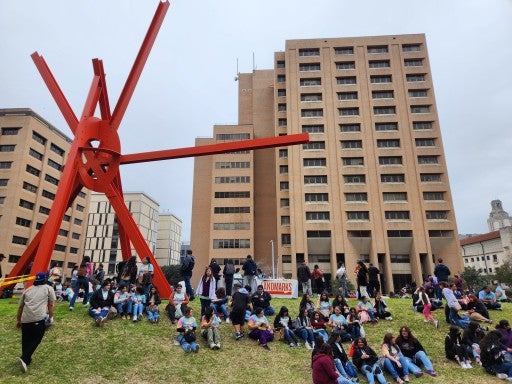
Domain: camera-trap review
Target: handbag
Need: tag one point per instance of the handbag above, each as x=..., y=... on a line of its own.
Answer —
x=189, y=337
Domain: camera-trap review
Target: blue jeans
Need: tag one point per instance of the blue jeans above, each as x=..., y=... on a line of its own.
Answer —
x=289, y=336
x=186, y=346
x=220, y=307
x=188, y=286
x=137, y=309
x=81, y=282
x=95, y=315
x=373, y=371
x=307, y=335
x=124, y=308
x=323, y=333
x=503, y=368
x=393, y=369
x=421, y=357
x=269, y=311
x=347, y=370
x=152, y=314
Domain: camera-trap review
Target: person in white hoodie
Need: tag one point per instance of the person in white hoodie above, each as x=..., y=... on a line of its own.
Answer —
x=206, y=289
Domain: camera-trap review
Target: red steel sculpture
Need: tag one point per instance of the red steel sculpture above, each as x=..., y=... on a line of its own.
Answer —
x=95, y=157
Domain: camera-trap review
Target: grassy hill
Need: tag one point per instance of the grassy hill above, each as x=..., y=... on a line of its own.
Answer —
x=76, y=351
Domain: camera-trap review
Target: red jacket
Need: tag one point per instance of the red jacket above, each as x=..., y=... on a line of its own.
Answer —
x=323, y=370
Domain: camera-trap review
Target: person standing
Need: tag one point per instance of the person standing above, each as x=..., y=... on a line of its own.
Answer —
x=215, y=267
x=187, y=267
x=304, y=276
x=441, y=272
x=362, y=279
x=35, y=306
x=318, y=276
x=250, y=268
x=341, y=274
x=206, y=289
x=228, y=272
x=373, y=280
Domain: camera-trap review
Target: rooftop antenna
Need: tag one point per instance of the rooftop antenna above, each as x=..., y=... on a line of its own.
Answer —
x=253, y=62
x=237, y=73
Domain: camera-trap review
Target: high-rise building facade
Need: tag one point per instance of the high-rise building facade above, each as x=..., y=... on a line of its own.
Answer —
x=32, y=155
x=168, y=244
x=371, y=184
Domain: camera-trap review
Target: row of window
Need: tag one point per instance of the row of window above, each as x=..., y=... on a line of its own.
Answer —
x=361, y=179
x=44, y=210
x=12, y=131
x=232, y=164
x=354, y=111
x=349, y=50
x=365, y=215
x=359, y=161
x=356, y=127
x=363, y=197
x=349, y=65
x=487, y=257
x=231, y=243
x=353, y=95
x=24, y=241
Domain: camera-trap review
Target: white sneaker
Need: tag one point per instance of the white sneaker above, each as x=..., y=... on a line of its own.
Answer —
x=389, y=318
x=436, y=323
x=228, y=321
x=426, y=321
x=501, y=375
x=176, y=342
x=509, y=378
x=463, y=365
x=298, y=345
x=212, y=345
x=23, y=365
x=468, y=365
x=307, y=345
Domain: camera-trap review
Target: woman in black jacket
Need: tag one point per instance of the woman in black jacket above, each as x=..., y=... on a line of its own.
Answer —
x=366, y=360
x=493, y=356
x=455, y=349
x=341, y=360
x=283, y=323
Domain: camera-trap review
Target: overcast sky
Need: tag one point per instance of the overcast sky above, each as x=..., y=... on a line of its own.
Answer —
x=187, y=85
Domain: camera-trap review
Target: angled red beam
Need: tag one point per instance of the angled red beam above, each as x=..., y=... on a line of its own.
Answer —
x=124, y=240
x=212, y=149
x=104, y=102
x=55, y=91
x=138, y=65
x=92, y=98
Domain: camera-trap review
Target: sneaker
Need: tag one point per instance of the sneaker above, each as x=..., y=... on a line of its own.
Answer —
x=484, y=328
x=406, y=378
x=426, y=321
x=509, y=378
x=265, y=346
x=23, y=365
x=103, y=321
x=419, y=373
x=188, y=349
x=468, y=365
x=228, y=321
x=212, y=346
x=98, y=321
x=501, y=375
x=298, y=345
x=71, y=308
x=123, y=317
x=478, y=362
x=490, y=321
x=307, y=345
x=463, y=365
x=389, y=318
x=176, y=342
x=217, y=346
x=399, y=380
x=291, y=345
x=431, y=373
x=499, y=309
x=196, y=350
x=85, y=305
x=238, y=336
x=436, y=323
x=134, y=319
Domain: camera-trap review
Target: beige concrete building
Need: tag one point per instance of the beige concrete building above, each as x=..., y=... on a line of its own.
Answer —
x=168, y=244
x=32, y=154
x=102, y=239
x=372, y=183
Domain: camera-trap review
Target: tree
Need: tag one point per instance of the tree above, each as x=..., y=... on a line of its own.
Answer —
x=504, y=273
x=474, y=279
x=172, y=274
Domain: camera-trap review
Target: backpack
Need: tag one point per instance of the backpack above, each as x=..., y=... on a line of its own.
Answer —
x=229, y=269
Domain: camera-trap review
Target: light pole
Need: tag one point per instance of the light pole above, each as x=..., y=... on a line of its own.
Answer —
x=271, y=242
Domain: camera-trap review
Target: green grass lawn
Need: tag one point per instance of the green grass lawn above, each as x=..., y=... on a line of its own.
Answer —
x=75, y=351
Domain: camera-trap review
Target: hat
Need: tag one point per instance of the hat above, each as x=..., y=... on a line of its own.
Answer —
x=40, y=277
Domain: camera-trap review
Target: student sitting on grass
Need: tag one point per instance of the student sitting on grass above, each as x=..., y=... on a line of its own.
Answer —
x=186, y=328
x=414, y=352
x=101, y=301
x=339, y=324
x=177, y=303
x=123, y=302
x=455, y=349
x=366, y=311
x=323, y=368
x=324, y=306
x=153, y=300
x=341, y=360
x=210, y=328
x=260, y=328
x=394, y=361
x=340, y=301
x=219, y=303
x=381, y=308
x=318, y=324
x=367, y=361
x=471, y=337
x=283, y=323
x=493, y=356
x=139, y=300
x=305, y=329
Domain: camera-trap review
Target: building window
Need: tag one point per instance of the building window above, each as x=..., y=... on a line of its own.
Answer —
x=44, y=210
x=281, y=93
x=23, y=222
x=308, y=67
x=400, y=233
x=59, y=151
x=60, y=248
x=351, y=144
x=352, y=161
x=346, y=80
x=282, y=122
x=383, y=94
x=346, y=65
x=73, y=250
x=379, y=64
x=283, y=169
x=10, y=131
x=344, y=128
x=66, y=218
x=75, y=236
x=425, y=142
x=430, y=177
x=436, y=215
x=281, y=107
x=396, y=215
x=315, y=179
x=391, y=110
x=281, y=78
x=51, y=179
x=418, y=93
x=415, y=77
x=231, y=226
x=7, y=148
x=283, y=153
x=285, y=220
x=312, y=112
x=63, y=232
x=54, y=164
x=349, y=111
x=347, y=95
x=35, y=154
x=317, y=216
x=314, y=82
x=80, y=208
x=284, y=202
x=81, y=194
x=48, y=194
x=310, y=97
x=318, y=162
x=413, y=62
x=354, y=179
x=358, y=215
x=421, y=125
x=394, y=196
x=319, y=128
x=390, y=160
x=437, y=196
x=286, y=239
x=232, y=164
x=233, y=180
x=309, y=52
x=344, y=51
x=29, y=187
x=37, y=137
x=77, y=221
x=232, y=136
x=378, y=79
x=378, y=49
x=388, y=143
x=32, y=170
x=411, y=47
x=232, y=195
x=19, y=240
x=428, y=159
x=284, y=186
x=314, y=145
x=316, y=197
x=360, y=196
x=280, y=64
x=386, y=127
x=5, y=164
x=26, y=204
x=227, y=210
x=392, y=178
x=420, y=108
x=2, y=199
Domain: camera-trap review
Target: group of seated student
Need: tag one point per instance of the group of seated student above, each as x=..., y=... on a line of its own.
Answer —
x=400, y=357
